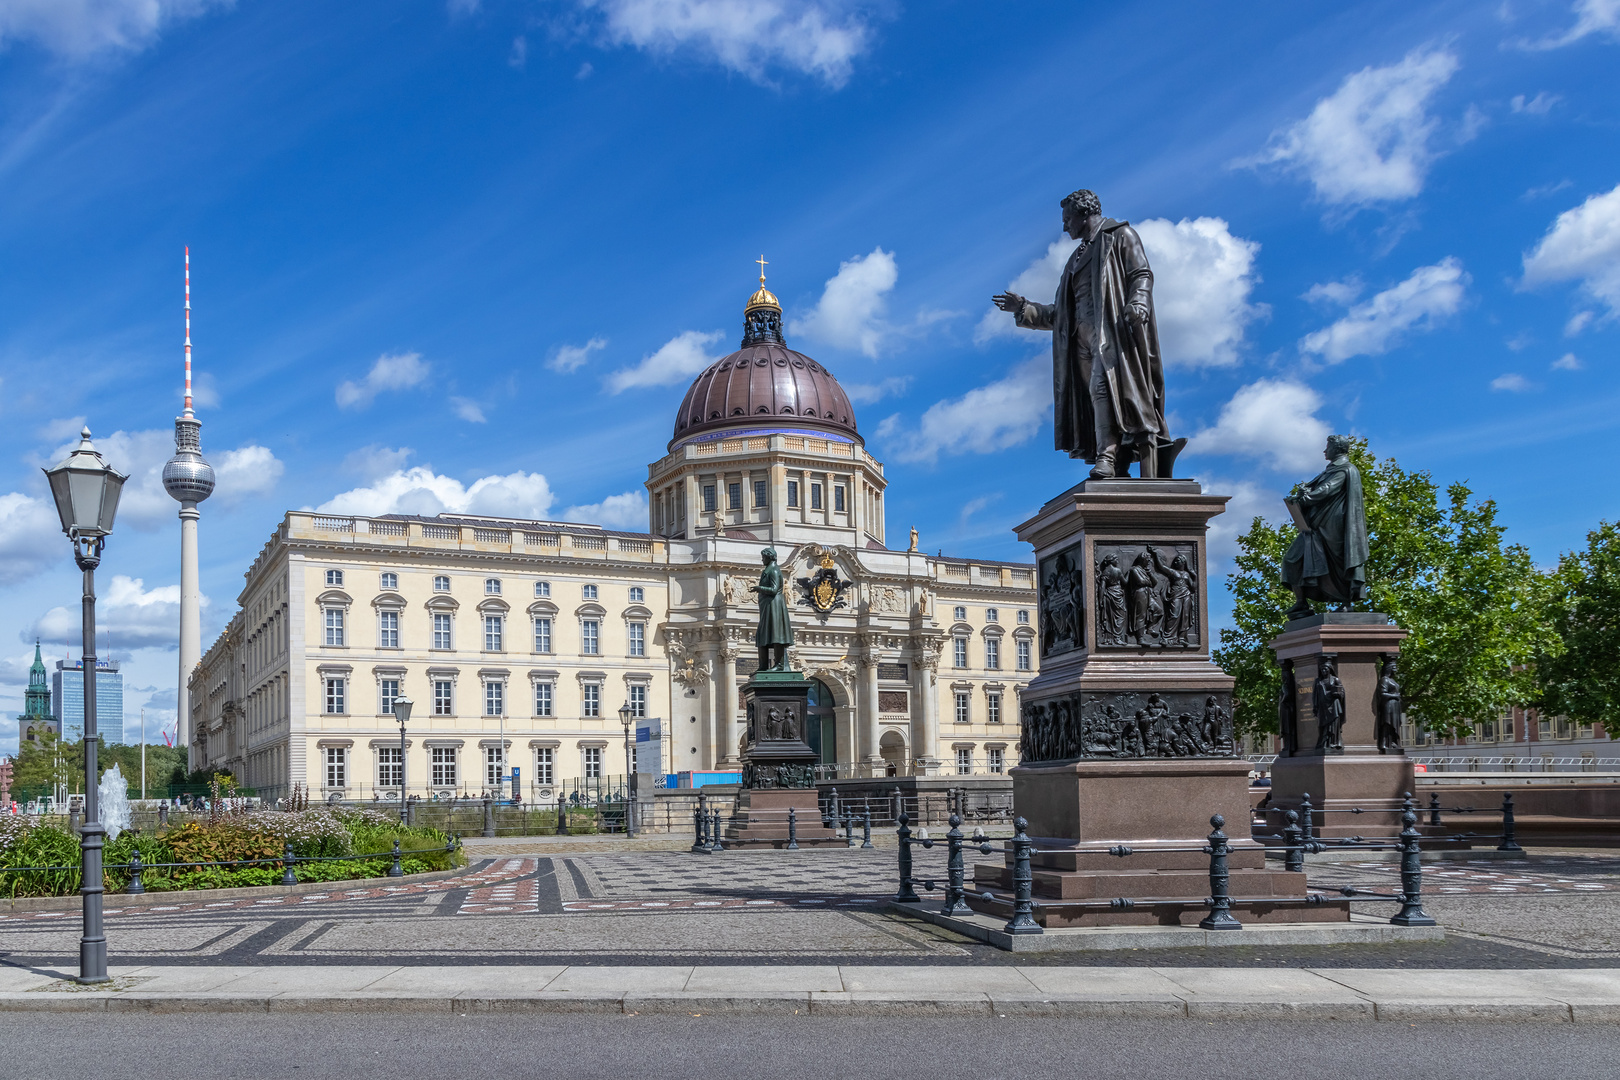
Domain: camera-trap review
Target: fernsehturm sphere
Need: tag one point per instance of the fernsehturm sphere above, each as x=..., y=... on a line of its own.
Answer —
x=188, y=479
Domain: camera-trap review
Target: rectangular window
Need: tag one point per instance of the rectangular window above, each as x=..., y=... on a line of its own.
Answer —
x=337, y=766
x=390, y=582
x=593, y=763
x=334, y=696
x=441, y=583
x=388, y=630
x=545, y=766
x=638, y=639
x=959, y=654
x=998, y=759
x=542, y=699
x=334, y=577
x=638, y=701
x=587, y=592
x=389, y=690
x=542, y=635
x=334, y=626
x=815, y=496
x=492, y=586
x=441, y=630
x=542, y=588
x=493, y=762
x=591, y=700
x=390, y=766
x=1023, y=618
x=991, y=615
x=709, y=504
x=492, y=633
x=443, y=702
x=759, y=493
x=590, y=637
x=963, y=705
x=793, y=493
x=638, y=595
x=992, y=708
x=992, y=653
x=494, y=698
x=964, y=760
x=734, y=497
x=444, y=766
x=839, y=503
x=1023, y=656
x=960, y=614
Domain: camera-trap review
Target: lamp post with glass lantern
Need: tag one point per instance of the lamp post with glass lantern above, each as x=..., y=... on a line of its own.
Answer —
x=86, y=491
x=629, y=775
x=402, y=713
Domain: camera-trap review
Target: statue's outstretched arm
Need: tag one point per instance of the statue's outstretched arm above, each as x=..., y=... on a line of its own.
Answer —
x=1033, y=316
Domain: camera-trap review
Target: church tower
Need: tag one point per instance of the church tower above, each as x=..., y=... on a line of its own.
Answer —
x=36, y=717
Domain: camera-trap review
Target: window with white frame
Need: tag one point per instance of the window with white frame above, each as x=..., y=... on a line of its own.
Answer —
x=638, y=700
x=793, y=493
x=964, y=705
x=960, y=615
x=390, y=766
x=494, y=759
x=593, y=762
x=388, y=630
x=334, y=626
x=444, y=766
x=336, y=689
x=542, y=634
x=444, y=702
x=959, y=652
x=759, y=493
x=1023, y=656
x=587, y=592
x=638, y=639
x=387, y=691
x=992, y=615
x=964, y=760
x=494, y=697
x=997, y=759
x=334, y=577
x=492, y=586
x=543, y=699
x=1023, y=618
x=337, y=766
x=542, y=589
x=441, y=630
x=638, y=595
x=545, y=766
x=590, y=637
x=441, y=583
x=992, y=653
x=492, y=633
x=590, y=699
x=992, y=707
x=389, y=582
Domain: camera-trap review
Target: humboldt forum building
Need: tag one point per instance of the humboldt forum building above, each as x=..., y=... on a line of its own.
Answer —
x=522, y=643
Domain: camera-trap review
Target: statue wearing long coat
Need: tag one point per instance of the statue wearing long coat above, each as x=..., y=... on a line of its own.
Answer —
x=1117, y=270
x=1329, y=561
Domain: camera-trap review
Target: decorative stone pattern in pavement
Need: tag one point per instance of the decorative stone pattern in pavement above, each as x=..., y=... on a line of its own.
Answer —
x=1568, y=874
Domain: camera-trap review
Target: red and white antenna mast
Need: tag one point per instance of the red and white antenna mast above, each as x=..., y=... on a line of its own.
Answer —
x=188, y=331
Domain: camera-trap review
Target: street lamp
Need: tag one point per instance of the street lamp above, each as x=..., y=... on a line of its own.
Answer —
x=86, y=491
x=629, y=775
x=402, y=713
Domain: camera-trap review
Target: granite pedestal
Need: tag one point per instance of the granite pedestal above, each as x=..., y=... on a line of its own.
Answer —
x=778, y=768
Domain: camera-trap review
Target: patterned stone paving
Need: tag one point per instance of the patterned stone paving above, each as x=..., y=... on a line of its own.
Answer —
x=1543, y=875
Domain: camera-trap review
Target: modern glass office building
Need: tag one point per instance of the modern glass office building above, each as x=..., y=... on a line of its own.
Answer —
x=67, y=699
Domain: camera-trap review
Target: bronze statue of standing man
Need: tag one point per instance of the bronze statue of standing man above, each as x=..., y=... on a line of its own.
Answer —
x=775, y=631
x=1107, y=373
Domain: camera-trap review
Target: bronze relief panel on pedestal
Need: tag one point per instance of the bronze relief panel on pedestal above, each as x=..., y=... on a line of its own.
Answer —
x=1134, y=725
x=1062, y=601
x=1148, y=595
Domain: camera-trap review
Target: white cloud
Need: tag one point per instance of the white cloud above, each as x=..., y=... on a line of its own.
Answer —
x=570, y=358
x=1369, y=140
x=1540, y=105
x=130, y=616
x=468, y=410
x=420, y=490
x=392, y=371
x=1591, y=17
x=376, y=460
x=584, y=71
x=1582, y=244
x=247, y=470
x=1578, y=322
x=819, y=38
x=1247, y=501
x=681, y=357
x=1202, y=278
x=65, y=428
x=1568, y=362
x=870, y=393
x=627, y=511
x=80, y=28
x=1271, y=419
x=850, y=313
x=1038, y=282
x=1512, y=382
x=520, y=52
x=30, y=537
x=144, y=505
x=990, y=418
x=1336, y=293
x=1428, y=295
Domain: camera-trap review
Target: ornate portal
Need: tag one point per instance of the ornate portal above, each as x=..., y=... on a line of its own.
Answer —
x=1128, y=725
x=824, y=590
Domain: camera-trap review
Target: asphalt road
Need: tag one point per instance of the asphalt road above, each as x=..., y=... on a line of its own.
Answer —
x=318, y=1046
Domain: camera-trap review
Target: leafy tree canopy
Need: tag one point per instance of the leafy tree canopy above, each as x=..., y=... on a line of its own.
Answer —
x=1580, y=668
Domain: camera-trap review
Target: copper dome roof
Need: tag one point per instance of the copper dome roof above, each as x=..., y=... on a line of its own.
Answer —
x=765, y=385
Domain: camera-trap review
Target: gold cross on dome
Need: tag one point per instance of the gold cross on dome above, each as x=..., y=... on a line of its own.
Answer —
x=762, y=264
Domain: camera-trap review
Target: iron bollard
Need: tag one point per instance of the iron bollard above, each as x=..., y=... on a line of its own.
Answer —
x=955, y=885
x=1306, y=824
x=1293, y=852
x=136, y=886
x=899, y=802
x=849, y=828
x=163, y=813
x=1434, y=809
x=1023, y=919
x=716, y=841
x=410, y=812
x=287, y=875
x=396, y=870
x=1510, y=840
x=906, y=895
x=793, y=829
x=73, y=821
x=700, y=840
x=832, y=809
x=1411, y=913
x=489, y=816
x=562, y=815
x=1220, y=900
x=866, y=829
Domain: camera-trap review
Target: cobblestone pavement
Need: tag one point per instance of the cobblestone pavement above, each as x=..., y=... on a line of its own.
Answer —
x=794, y=907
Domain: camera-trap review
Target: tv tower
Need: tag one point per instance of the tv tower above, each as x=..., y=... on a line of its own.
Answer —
x=188, y=479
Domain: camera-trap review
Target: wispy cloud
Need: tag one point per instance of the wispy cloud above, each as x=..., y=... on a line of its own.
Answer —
x=1511, y=382
x=420, y=490
x=1000, y=415
x=570, y=358
x=77, y=29
x=392, y=371
x=627, y=511
x=1273, y=420
x=871, y=393
x=850, y=313
x=1583, y=244
x=1540, y=105
x=133, y=616
x=681, y=357
x=468, y=410
x=1428, y=296
x=30, y=537
x=1568, y=362
x=1600, y=17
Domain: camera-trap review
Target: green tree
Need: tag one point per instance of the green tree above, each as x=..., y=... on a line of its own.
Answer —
x=1474, y=606
x=1578, y=670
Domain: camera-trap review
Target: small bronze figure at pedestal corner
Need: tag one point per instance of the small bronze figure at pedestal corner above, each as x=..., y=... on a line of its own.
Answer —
x=775, y=631
x=1327, y=560
x=1387, y=707
x=1107, y=372
x=1327, y=702
x=1288, y=710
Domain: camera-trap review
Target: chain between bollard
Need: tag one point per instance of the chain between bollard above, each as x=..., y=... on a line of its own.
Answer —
x=1023, y=919
x=1411, y=913
x=1220, y=900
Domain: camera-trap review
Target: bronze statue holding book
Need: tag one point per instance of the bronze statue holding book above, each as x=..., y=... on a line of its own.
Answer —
x=1327, y=560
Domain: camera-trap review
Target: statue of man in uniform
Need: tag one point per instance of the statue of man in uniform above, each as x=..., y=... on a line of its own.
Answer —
x=775, y=631
x=1107, y=373
x=1327, y=560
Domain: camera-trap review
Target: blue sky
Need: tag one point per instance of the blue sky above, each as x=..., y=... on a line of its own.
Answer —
x=468, y=255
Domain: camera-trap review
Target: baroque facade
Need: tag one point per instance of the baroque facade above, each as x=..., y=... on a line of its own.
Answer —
x=520, y=641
